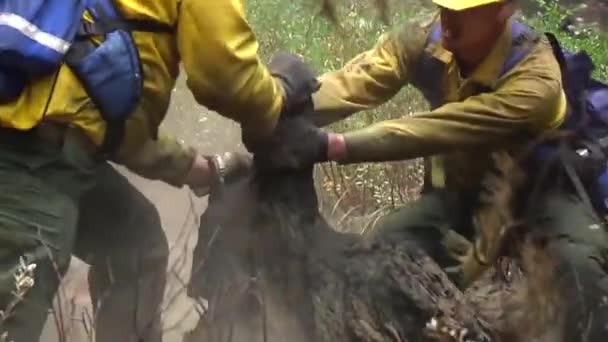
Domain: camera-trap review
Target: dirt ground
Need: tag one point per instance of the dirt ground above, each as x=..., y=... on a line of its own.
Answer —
x=179, y=211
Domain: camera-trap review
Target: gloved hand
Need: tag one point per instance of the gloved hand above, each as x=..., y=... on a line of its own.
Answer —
x=298, y=80
x=209, y=173
x=296, y=144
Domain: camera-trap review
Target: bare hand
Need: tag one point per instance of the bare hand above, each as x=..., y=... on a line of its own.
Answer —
x=208, y=173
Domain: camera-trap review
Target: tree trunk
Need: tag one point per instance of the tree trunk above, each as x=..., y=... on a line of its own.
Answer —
x=273, y=270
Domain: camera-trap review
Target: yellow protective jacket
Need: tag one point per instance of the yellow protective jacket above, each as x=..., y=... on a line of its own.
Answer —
x=459, y=136
x=218, y=52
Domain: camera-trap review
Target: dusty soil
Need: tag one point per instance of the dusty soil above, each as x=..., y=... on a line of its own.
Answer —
x=179, y=211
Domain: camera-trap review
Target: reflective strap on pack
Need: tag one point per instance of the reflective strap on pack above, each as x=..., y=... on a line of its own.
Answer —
x=34, y=33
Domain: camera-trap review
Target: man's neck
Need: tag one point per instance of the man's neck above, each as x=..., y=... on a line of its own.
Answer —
x=468, y=62
x=468, y=65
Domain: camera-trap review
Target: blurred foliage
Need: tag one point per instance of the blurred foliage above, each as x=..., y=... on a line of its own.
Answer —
x=580, y=35
x=327, y=42
x=298, y=27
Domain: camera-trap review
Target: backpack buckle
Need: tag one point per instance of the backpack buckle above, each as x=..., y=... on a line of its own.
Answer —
x=89, y=29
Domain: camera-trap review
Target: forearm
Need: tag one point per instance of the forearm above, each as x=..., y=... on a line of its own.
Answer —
x=220, y=55
x=424, y=136
x=342, y=94
x=368, y=80
x=521, y=108
x=164, y=159
x=402, y=140
x=372, y=77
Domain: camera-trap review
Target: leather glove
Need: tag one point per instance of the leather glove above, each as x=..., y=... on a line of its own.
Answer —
x=298, y=80
x=296, y=144
x=224, y=169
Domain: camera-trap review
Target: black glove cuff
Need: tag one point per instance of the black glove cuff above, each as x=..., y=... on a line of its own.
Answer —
x=323, y=153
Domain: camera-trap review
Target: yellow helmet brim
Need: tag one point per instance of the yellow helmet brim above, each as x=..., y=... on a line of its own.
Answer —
x=459, y=5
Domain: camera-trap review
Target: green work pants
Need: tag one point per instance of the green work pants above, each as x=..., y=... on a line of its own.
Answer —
x=574, y=235
x=56, y=202
x=431, y=221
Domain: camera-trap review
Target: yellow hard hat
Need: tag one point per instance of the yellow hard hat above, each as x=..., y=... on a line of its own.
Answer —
x=459, y=5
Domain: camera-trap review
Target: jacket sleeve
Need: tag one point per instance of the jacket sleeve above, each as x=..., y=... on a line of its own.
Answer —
x=528, y=101
x=219, y=52
x=371, y=78
x=165, y=159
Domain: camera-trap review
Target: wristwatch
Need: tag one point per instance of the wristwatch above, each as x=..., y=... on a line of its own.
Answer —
x=224, y=168
x=217, y=169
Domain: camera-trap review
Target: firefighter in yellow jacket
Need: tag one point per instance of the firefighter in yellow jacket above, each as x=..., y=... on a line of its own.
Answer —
x=478, y=107
x=59, y=198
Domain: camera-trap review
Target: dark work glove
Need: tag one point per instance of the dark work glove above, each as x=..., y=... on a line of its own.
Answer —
x=296, y=144
x=298, y=80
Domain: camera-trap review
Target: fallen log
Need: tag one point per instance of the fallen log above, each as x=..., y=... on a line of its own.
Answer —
x=272, y=269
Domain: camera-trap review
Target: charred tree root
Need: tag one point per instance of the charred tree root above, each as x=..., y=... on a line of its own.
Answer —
x=390, y=291
x=275, y=271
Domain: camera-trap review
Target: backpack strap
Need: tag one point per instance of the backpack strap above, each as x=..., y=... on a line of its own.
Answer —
x=429, y=70
x=105, y=23
x=576, y=80
x=100, y=28
x=561, y=60
x=434, y=35
x=521, y=38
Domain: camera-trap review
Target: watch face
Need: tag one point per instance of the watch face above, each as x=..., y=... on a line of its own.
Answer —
x=219, y=167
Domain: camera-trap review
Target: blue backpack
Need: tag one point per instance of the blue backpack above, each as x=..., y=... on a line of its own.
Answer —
x=38, y=36
x=582, y=155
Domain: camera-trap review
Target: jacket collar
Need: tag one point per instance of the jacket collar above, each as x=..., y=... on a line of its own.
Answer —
x=489, y=71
